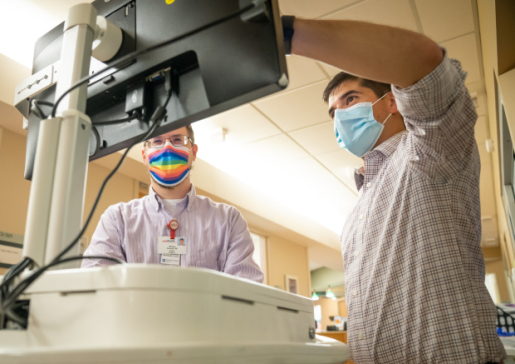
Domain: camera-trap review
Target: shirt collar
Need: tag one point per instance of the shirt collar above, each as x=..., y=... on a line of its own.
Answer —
x=157, y=204
x=359, y=177
x=387, y=147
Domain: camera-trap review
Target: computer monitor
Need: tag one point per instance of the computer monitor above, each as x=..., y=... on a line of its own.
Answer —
x=217, y=69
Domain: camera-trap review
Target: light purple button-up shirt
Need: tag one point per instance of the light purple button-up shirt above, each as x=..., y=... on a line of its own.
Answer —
x=217, y=235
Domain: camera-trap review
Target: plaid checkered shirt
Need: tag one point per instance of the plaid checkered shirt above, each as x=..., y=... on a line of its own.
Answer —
x=414, y=270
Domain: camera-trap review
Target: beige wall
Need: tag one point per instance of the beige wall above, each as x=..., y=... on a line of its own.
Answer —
x=14, y=189
x=496, y=267
x=119, y=189
x=284, y=257
x=329, y=307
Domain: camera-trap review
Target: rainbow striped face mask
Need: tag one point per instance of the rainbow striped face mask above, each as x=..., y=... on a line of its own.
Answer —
x=169, y=164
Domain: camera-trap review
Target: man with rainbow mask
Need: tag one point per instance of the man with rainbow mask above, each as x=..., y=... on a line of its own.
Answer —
x=214, y=235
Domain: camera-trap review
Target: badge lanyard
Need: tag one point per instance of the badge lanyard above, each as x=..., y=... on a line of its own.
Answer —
x=173, y=225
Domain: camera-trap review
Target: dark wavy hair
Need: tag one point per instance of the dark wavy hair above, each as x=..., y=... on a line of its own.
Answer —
x=379, y=88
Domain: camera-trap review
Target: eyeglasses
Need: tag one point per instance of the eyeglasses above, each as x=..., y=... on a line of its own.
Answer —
x=176, y=140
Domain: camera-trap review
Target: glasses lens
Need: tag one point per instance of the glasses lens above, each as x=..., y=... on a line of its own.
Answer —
x=178, y=140
x=157, y=142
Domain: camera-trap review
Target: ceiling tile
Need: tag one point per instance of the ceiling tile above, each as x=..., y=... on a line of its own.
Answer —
x=243, y=125
x=303, y=71
x=312, y=9
x=306, y=177
x=317, y=139
x=275, y=150
x=342, y=164
x=464, y=49
x=396, y=13
x=481, y=131
x=444, y=19
x=296, y=109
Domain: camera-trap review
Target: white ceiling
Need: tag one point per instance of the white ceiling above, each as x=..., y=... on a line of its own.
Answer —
x=22, y=22
x=284, y=145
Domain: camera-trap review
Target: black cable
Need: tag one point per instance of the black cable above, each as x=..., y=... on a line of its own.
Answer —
x=12, y=273
x=10, y=303
x=133, y=55
x=40, y=114
x=97, y=139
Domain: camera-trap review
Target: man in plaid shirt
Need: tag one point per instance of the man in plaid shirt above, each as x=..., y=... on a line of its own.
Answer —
x=414, y=268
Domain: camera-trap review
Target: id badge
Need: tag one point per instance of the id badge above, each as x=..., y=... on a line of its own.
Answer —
x=168, y=246
x=172, y=259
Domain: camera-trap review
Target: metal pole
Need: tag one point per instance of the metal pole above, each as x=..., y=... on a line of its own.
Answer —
x=68, y=192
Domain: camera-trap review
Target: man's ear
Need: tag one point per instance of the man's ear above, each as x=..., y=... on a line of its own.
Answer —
x=393, y=103
x=194, y=151
x=144, y=155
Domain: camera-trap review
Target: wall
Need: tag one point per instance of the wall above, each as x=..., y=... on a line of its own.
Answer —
x=14, y=189
x=497, y=268
x=119, y=189
x=324, y=277
x=329, y=307
x=285, y=257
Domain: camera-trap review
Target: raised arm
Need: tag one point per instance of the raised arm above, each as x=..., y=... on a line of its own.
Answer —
x=376, y=52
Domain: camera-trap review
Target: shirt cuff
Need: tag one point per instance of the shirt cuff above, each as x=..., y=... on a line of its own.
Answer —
x=431, y=97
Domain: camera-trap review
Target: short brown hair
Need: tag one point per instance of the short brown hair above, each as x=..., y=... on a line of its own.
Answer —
x=379, y=88
x=191, y=135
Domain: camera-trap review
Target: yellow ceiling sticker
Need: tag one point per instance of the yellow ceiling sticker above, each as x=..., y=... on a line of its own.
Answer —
x=169, y=1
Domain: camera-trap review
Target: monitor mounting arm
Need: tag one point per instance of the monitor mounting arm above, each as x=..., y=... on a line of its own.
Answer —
x=57, y=193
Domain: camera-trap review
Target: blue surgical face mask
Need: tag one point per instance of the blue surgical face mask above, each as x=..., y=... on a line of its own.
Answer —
x=356, y=129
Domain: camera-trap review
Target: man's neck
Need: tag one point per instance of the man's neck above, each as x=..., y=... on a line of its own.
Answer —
x=178, y=192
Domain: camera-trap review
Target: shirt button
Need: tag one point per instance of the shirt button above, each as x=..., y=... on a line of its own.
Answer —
x=369, y=184
x=356, y=253
x=361, y=336
x=361, y=216
x=355, y=292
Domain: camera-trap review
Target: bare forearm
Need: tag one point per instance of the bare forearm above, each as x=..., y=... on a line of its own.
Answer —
x=371, y=51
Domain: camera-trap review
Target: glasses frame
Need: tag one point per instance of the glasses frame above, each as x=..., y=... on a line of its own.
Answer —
x=149, y=142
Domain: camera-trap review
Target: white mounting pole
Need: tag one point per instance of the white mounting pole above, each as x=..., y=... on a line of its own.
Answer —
x=58, y=188
x=68, y=193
